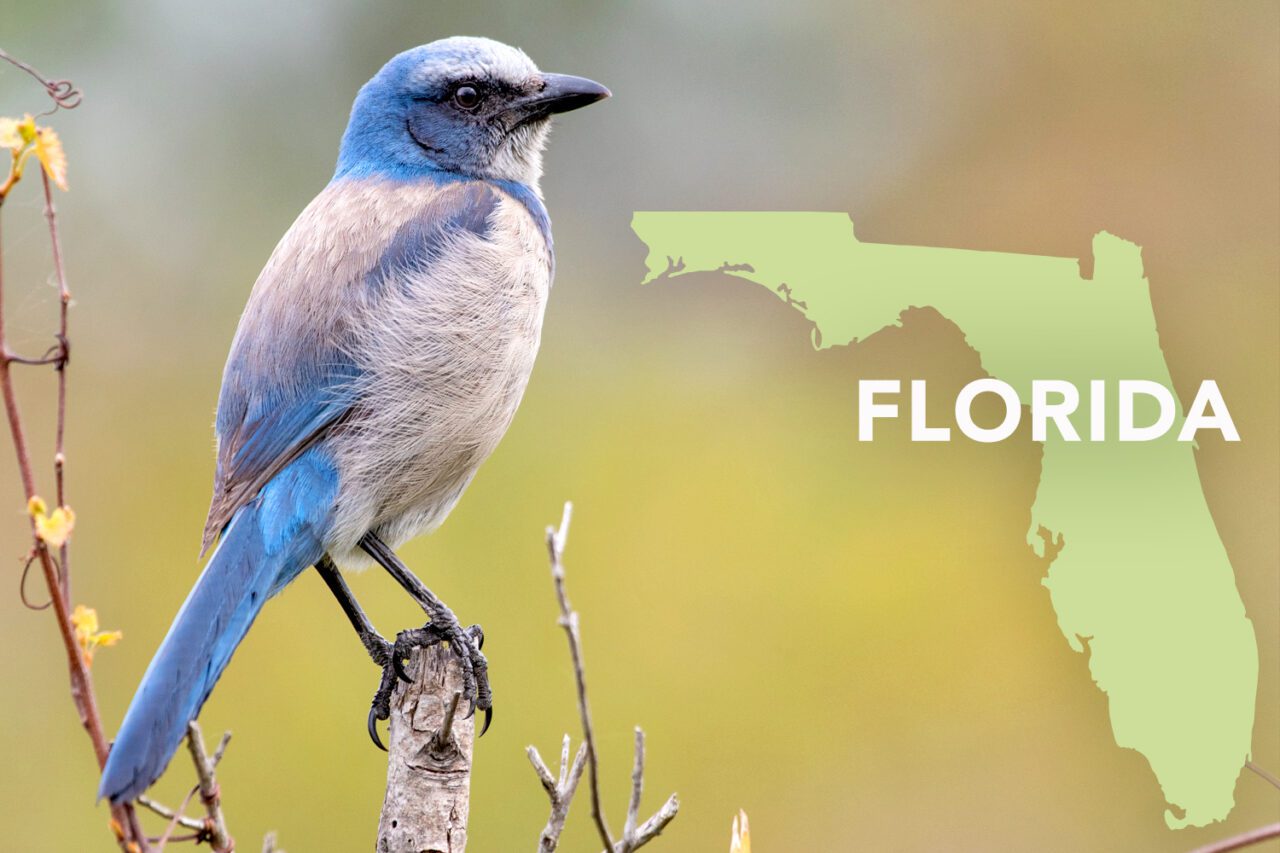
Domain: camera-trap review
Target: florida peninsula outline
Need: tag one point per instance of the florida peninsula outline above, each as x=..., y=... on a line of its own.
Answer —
x=1143, y=580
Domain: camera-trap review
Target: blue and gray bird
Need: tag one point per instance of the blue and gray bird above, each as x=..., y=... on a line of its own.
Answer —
x=379, y=361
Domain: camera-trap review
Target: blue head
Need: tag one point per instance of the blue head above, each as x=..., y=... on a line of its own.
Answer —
x=467, y=106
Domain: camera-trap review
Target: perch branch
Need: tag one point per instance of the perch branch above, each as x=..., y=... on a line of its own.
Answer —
x=429, y=763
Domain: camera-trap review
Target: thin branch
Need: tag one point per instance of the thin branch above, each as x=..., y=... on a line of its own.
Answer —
x=1269, y=777
x=633, y=837
x=178, y=818
x=1244, y=839
x=560, y=790
x=203, y=827
x=637, y=789
x=210, y=794
x=654, y=826
x=440, y=740
x=569, y=621
x=63, y=358
x=174, y=815
x=128, y=831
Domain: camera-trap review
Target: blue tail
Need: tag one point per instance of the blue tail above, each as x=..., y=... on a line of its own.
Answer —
x=267, y=544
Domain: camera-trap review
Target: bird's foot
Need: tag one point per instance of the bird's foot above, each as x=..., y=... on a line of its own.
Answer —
x=466, y=642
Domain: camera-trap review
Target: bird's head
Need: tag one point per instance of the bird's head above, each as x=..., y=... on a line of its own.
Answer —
x=469, y=106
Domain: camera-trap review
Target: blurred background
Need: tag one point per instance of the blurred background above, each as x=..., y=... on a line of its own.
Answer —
x=850, y=641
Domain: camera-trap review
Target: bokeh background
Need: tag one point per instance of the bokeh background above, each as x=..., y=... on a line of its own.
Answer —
x=849, y=641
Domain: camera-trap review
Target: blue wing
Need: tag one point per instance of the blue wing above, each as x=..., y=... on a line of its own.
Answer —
x=289, y=380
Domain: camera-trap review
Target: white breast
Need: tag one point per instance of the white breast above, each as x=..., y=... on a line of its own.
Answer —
x=446, y=351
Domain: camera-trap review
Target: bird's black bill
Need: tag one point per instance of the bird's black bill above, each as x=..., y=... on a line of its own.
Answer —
x=564, y=92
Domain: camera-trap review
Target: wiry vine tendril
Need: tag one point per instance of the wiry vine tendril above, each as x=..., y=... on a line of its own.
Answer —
x=63, y=92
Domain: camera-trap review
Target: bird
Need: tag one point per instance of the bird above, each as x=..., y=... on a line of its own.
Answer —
x=379, y=360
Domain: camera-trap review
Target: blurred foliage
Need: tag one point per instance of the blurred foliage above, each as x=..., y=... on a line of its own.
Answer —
x=739, y=560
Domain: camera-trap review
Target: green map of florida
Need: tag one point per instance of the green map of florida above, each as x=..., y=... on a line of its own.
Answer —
x=1142, y=579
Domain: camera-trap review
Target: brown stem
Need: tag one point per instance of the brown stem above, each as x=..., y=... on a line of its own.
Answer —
x=63, y=358
x=82, y=692
x=1244, y=839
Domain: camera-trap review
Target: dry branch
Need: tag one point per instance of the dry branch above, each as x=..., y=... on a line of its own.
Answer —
x=429, y=763
x=633, y=836
x=560, y=790
x=210, y=794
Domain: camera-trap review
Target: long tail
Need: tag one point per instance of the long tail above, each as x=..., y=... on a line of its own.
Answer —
x=266, y=545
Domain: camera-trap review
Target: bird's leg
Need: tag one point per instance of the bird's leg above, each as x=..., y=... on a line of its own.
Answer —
x=465, y=642
x=386, y=655
x=377, y=646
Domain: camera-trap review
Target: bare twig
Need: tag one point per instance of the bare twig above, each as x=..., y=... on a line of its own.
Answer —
x=440, y=740
x=633, y=836
x=654, y=826
x=210, y=794
x=1244, y=839
x=637, y=789
x=61, y=361
x=177, y=818
x=560, y=790
x=174, y=815
x=1269, y=777
x=569, y=621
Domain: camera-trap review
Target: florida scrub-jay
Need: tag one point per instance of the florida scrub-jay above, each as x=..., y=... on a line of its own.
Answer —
x=381, y=357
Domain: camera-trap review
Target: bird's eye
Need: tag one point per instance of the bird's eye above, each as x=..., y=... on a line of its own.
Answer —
x=466, y=96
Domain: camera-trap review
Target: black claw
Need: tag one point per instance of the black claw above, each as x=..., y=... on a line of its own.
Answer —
x=398, y=665
x=373, y=730
x=488, y=718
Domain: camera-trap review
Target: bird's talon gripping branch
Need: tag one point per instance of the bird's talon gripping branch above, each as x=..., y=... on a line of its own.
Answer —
x=444, y=626
x=391, y=657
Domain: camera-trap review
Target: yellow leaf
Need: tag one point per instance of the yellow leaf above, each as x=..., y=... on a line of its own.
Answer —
x=9, y=135
x=85, y=621
x=741, y=841
x=36, y=507
x=51, y=156
x=55, y=529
